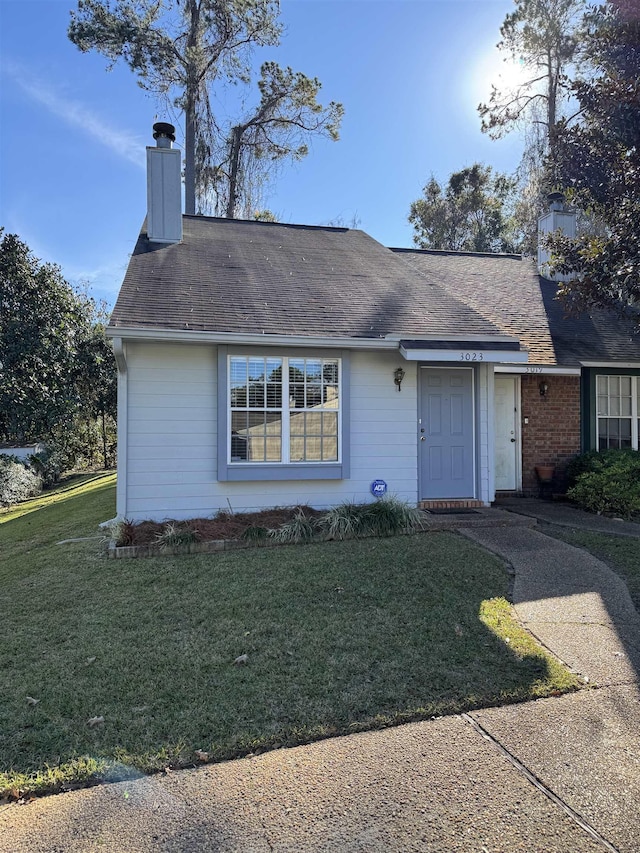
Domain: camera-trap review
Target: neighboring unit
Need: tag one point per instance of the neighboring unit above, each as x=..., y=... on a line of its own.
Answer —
x=265, y=364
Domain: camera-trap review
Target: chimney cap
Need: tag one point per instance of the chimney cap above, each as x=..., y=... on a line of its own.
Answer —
x=556, y=200
x=163, y=128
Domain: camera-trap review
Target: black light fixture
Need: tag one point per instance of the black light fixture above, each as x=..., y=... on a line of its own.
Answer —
x=398, y=376
x=544, y=387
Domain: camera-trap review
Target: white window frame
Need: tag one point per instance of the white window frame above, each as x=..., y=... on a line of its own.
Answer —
x=286, y=412
x=635, y=406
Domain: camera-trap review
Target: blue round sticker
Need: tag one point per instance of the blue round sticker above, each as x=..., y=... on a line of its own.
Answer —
x=378, y=488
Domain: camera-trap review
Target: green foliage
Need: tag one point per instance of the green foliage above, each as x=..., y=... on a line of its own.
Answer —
x=593, y=460
x=299, y=529
x=256, y=534
x=388, y=516
x=176, y=534
x=599, y=163
x=49, y=465
x=470, y=214
x=609, y=482
x=18, y=480
x=42, y=325
x=57, y=369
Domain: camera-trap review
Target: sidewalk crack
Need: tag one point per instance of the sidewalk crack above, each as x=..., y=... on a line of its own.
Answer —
x=582, y=822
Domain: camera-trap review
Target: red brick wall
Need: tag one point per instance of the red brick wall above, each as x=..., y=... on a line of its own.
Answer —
x=550, y=426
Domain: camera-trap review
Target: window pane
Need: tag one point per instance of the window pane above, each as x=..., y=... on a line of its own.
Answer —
x=238, y=370
x=614, y=406
x=256, y=369
x=625, y=431
x=625, y=408
x=625, y=386
x=314, y=370
x=256, y=395
x=313, y=396
x=313, y=449
x=296, y=395
x=329, y=449
x=603, y=408
x=329, y=424
x=330, y=372
x=601, y=385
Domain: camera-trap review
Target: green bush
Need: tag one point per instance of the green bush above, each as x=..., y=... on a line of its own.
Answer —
x=384, y=517
x=18, y=481
x=594, y=460
x=609, y=483
x=49, y=465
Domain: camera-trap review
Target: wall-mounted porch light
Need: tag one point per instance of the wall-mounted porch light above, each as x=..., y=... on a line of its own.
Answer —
x=398, y=376
x=544, y=387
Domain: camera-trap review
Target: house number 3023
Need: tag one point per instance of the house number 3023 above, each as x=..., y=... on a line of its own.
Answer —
x=471, y=356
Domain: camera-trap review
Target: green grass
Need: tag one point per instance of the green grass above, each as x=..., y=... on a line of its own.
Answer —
x=340, y=637
x=621, y=553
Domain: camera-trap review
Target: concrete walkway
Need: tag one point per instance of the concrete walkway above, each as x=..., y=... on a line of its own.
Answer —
x=551, y=776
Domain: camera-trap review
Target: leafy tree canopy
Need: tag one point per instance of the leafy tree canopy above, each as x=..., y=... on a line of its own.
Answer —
x=598, y=163
x=469, y=213
x=54, y=360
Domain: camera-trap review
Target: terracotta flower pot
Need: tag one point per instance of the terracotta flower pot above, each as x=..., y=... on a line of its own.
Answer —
x=545, y=472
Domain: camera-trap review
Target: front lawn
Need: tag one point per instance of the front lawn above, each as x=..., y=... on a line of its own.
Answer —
x=131, y=662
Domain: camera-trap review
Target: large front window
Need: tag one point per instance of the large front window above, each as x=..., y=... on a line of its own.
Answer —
x=283, y=410
x=618, y=411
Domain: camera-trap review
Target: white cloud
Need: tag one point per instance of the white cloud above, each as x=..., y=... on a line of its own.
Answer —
x=121, y=142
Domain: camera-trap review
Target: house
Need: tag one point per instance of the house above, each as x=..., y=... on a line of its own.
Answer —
x=264, y=364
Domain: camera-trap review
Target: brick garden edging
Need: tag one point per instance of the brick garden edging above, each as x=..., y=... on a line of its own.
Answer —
x=124, y=552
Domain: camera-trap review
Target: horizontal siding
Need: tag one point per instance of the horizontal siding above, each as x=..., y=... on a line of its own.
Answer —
x=171, y=466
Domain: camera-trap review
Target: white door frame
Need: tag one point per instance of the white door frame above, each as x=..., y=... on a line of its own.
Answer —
x=517, y=399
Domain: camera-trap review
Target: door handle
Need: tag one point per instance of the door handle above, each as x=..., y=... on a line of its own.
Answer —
x=513, y=440
x=421, y=438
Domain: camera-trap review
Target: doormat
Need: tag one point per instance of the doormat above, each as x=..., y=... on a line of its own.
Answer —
x=452, y=511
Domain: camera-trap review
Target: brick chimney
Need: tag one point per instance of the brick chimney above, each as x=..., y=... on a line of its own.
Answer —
x=164, y=187
x=557, y=219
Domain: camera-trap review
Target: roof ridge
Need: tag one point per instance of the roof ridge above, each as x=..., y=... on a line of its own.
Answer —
x=514, y=255
x=260, y=222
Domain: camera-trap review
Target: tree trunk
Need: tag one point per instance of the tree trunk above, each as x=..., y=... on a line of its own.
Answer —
x=236, y=136
x=189, y=160
x=104, y=441
x=190, y=101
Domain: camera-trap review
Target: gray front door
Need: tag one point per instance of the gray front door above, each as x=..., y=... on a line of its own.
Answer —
x=447, y=433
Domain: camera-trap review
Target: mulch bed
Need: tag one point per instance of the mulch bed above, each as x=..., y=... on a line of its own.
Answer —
x=224, y=525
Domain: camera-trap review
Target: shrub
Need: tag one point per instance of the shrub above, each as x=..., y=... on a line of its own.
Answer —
x=610, y=483
x=18, y=481
x=175, y=534
x=301, y=528
x=593, y=460
x=384, y=517
x=49, y=465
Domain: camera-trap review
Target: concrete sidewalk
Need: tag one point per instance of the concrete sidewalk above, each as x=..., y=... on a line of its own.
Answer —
x=554, y=775
x=563, y=514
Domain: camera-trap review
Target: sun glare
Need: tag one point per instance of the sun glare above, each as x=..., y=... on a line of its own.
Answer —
x=493, y=68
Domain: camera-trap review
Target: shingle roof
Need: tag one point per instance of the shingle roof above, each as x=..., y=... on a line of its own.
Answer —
x=502, y=288
x=269, y=278
x=507, y=291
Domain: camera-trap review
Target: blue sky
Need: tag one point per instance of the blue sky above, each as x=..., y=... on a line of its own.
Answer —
x=409, y=72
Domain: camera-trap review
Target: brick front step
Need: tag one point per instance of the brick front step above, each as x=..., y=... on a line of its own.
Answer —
x=466, y=504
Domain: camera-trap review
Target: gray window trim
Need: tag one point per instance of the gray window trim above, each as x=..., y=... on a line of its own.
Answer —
x=277, y=471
